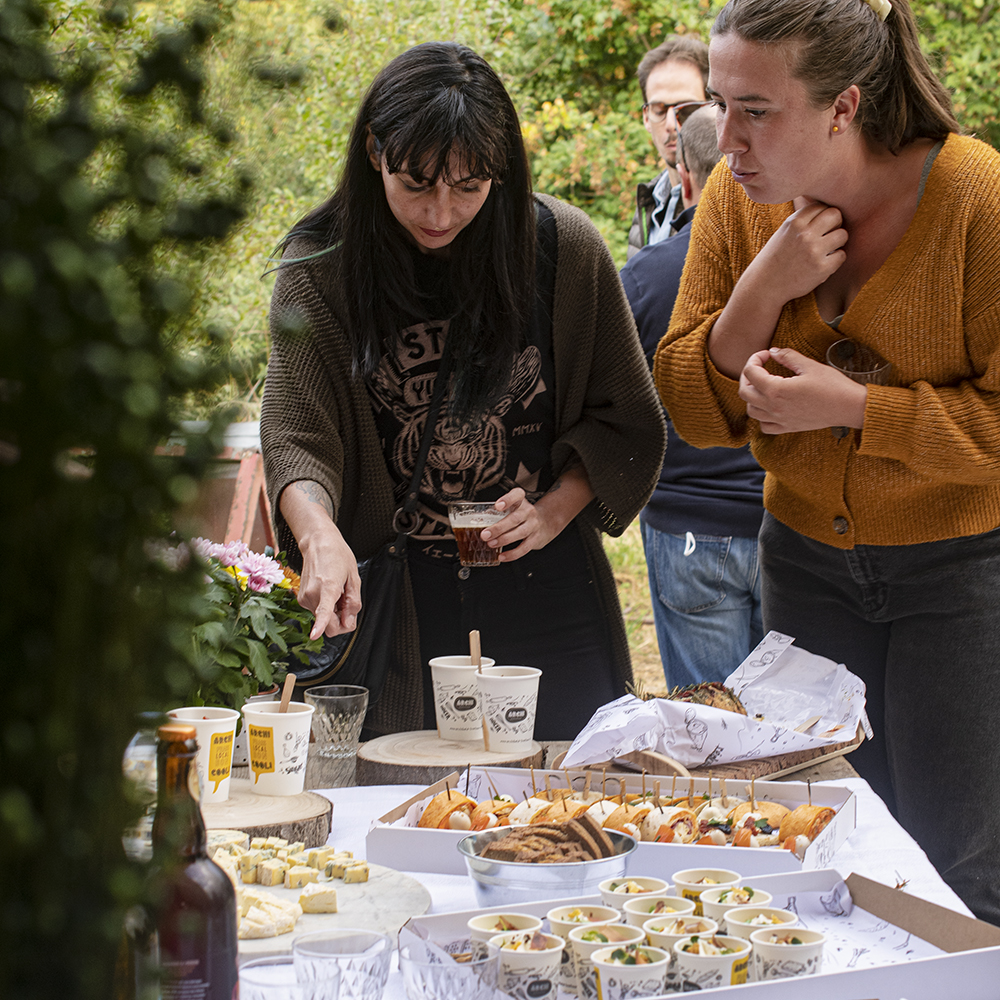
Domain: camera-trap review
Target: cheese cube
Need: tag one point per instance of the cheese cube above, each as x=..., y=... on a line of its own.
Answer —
x=275, y=842
x=357, y=872
x=318, y=856
x=258, y=842
x=335, y=866
x=317, y=898
x=298, y=858
x=295, y=846
x=271, y=872
x=297, y=877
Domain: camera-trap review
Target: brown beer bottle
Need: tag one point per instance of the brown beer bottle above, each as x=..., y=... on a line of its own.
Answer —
x=193, y=901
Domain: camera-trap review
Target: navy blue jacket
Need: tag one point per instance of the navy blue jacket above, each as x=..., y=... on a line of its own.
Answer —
x=710, y=491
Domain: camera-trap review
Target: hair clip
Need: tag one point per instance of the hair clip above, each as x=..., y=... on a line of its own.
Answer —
x=881, y=8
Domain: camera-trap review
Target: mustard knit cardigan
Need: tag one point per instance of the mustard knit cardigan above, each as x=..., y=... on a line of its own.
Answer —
x=927, y=464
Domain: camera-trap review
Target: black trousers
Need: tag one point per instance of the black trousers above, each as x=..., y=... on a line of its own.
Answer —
x=920, y=625
x=540, y=611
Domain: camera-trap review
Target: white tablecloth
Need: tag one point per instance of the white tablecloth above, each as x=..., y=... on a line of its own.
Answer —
x=879, y=848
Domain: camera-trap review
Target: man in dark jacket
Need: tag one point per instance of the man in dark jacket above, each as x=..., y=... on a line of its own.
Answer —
x=700, y=528
x=673, y=74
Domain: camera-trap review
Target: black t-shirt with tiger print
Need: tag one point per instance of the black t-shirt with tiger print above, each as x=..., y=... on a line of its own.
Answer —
x=512, y=444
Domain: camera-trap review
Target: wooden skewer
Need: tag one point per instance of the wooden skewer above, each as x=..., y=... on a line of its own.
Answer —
x=753, y=796
x=691, y=793
x=492, y=787
x=808, y=724
x=725, y=797
x=709, y=786
x=468, y=775
x=586, y=784
x=447, y=791
x=548, y=787
x=809, y=791
x=656, y=793
x=534, y=787
x=644, y=784
x=673, y=787
x=604, y=780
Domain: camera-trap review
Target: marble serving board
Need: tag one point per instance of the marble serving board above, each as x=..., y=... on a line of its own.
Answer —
x=384, y=903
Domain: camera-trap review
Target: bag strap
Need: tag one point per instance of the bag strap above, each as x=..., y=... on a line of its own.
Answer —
x=426, y=439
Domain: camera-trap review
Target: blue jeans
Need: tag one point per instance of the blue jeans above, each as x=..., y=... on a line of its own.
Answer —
x=706, y=603
x=920, y=625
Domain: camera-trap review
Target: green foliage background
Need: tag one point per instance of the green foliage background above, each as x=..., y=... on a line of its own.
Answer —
x=131, y=255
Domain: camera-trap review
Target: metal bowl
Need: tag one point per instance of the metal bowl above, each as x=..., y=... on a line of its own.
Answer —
x=500, y=883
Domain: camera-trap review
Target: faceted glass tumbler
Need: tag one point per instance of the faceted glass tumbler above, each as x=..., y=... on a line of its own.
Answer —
x=274, y=978
x=475, y=979
x=362, y=957
x=340, y=713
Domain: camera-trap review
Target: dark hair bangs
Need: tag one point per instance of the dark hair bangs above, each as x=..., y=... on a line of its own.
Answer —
x=423, y=144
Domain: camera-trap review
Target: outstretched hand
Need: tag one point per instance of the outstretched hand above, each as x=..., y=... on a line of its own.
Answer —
x=816, y=395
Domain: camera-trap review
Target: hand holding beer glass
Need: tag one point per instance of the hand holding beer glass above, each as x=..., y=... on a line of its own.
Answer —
x=468, y=520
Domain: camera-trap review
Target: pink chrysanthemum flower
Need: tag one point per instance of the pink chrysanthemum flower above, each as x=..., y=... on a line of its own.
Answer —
x=262, y=572
x=230, y=553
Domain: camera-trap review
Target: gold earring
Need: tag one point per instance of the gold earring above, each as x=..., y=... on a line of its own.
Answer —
x=835, y=129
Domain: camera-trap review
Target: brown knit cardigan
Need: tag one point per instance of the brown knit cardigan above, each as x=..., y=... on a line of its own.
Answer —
x=317, y=424
x=927, y=465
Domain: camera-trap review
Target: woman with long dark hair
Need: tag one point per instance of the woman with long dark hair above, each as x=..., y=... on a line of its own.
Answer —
x=850, y=208
x=433, y=238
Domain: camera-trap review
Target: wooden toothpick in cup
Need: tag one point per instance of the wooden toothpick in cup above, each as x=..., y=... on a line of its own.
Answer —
x=475, y=653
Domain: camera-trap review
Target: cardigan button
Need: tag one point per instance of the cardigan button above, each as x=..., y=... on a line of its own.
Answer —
x=841, y=525
x=464, y=573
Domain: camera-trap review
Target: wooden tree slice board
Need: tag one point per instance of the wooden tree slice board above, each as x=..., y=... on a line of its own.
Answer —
x=761, y=767
x=306, y=817
x=421, y=758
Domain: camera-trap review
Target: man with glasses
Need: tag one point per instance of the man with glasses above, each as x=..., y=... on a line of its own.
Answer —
x=672, y=77
x=700, y=527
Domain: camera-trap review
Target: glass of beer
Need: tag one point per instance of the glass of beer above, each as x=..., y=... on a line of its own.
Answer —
x=468, y=519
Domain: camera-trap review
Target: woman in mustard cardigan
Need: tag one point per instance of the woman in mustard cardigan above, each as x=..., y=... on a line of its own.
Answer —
x=850, y=207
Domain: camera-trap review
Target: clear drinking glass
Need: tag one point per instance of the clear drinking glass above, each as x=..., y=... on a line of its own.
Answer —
x=475, y=979
x=362, y=958
x=336, y=728
x=274, y=978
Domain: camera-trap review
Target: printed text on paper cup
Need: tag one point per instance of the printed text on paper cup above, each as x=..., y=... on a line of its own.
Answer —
x=261, y=750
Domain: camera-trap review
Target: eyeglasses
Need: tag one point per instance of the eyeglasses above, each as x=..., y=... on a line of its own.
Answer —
x=658, y=111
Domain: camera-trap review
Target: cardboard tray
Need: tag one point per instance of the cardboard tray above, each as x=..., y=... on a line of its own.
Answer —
x=410, y=848
x=970, y=968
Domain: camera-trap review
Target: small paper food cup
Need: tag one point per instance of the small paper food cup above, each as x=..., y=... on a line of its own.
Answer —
x=627, y=971
x=664, y=932
x=637, y=911
x=215, y=731
x=617, y=891
x=692, y=882
x=710, y=962
x=457, y=707
x=279, y=746
x=525, y=970
x=563, y=919
x=781, y=952
x=586, y=940
x=488, y=925
x=742, y=921
x=719, y=901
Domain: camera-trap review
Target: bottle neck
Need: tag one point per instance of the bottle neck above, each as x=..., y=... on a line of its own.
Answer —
x=178, y=829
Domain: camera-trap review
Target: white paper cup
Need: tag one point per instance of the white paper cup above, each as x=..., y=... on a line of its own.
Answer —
x=691, y=882
x=524, y=973
x=709, y=972
x=279, y=746
x=660, y=930
x=623, y=982
x=639, y=909
x=583, y=966
x=484, y=926
x=782, y=961
x=717, y=910
x=215, y=730
x=738, y=920
x=639, y=887
x=509, y=696
x=563, y=919
x=457, y=705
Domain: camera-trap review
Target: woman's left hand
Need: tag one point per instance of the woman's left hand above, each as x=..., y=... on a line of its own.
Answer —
x=534, y=525
x=816, y=396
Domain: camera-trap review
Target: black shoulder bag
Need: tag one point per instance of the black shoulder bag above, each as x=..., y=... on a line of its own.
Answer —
x=363, y=656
